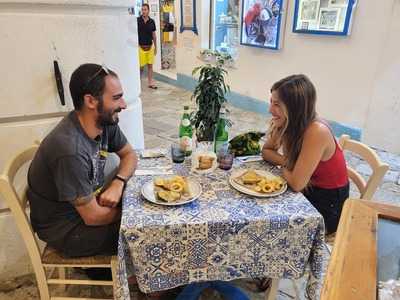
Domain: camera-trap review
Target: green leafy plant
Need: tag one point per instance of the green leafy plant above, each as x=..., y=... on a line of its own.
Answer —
x=209, y=95
x=246, y=143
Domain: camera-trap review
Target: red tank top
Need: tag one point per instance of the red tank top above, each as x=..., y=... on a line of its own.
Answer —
x=332, y=173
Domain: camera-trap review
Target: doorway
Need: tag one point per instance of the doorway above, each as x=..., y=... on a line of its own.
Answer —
x=168, y=37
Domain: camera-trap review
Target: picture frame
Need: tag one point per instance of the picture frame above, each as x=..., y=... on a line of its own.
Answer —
x=188, y=16
x=309, y=10
x=154, y=8
x=335, y=17
x=337, y=3
x=328, y=18
x=262, y=24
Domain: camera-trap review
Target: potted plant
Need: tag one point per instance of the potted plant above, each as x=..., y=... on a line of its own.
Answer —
x=209, y=95
x=207, y=55
x=224, y=59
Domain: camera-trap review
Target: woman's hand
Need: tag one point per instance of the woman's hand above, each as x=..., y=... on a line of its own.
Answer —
x=270, y=150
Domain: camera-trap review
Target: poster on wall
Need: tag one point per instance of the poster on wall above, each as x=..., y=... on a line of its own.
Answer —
x=262, y=23
x=332, y=17
x=188, y=16
x=309, y=11
x=328, y=19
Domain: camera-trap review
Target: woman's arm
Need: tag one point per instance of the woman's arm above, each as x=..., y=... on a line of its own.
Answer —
x=270, y=151
x=315, y=143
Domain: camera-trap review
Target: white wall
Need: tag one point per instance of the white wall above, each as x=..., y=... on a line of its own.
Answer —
x=34, y=33
x=356, y=76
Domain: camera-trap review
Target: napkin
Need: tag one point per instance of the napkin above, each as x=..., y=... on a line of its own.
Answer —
x=249, y=158
x=153, y=153
x=145, y=172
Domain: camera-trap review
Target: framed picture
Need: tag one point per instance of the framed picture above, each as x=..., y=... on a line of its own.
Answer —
x=309, y=10
x=261, y=24
x=338, y=3
x=188, y=16
x=154, y=8
x=328, y=18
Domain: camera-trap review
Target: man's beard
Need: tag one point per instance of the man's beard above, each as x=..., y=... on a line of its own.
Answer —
x=105, y=118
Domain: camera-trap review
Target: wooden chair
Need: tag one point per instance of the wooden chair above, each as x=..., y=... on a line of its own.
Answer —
x=49, y=259
x=366, y=189
x=379, y=169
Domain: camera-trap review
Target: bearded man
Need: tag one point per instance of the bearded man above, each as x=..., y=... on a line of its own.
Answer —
x=72, y=209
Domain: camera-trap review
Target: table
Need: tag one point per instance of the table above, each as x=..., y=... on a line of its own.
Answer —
x=224, y=235
x=354, y=267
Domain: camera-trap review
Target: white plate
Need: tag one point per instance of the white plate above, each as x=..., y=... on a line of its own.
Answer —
x=148, y=193
x=153, y=153
x=241, y=188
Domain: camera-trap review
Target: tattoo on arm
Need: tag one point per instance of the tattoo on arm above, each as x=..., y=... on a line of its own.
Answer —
x=83, y=200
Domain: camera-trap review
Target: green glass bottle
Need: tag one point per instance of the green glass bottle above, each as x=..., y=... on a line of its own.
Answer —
x=186, y=132
x=221, y=133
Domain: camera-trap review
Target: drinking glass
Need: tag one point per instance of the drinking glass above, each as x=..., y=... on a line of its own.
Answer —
x=178, y=156
x=225, y=160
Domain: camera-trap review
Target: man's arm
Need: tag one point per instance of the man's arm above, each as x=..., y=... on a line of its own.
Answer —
x=93, y=214
x=155, y=42
x=128, y=161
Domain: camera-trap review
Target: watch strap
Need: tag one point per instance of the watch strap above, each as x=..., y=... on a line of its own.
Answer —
x=121, y=178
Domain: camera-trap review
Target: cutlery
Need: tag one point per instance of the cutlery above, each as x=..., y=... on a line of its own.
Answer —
x=249, y=158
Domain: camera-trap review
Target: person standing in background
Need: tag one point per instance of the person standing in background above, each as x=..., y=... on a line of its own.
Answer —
x=147, y=43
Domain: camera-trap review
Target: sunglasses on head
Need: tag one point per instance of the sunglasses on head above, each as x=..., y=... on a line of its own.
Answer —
x=103, y=68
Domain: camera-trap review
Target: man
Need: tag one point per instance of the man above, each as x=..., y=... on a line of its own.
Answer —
x=71, y=209
x=147, y=43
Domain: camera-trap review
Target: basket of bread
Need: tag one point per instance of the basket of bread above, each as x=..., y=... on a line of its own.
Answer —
x=204, y=160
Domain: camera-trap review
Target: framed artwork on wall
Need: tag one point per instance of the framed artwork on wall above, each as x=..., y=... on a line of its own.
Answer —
x=188, y=16
x=262, y=23
x=331, y=17
x=328, y=19
x=309, y=10
x=338, y=3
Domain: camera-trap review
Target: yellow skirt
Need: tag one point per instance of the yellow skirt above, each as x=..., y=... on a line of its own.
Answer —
x=146, y=57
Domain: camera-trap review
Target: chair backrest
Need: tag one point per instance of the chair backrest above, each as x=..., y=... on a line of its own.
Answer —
x=17, y=206
x=379, y=169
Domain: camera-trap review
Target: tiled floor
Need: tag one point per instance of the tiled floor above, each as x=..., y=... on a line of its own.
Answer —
x=162, y=109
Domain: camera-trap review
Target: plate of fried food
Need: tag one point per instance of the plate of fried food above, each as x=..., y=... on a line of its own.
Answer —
x=171, y=190
x=258, y=183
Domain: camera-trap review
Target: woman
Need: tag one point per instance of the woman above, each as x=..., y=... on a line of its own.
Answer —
x=311, y=158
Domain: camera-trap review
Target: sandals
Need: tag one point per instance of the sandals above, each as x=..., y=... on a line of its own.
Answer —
x=152, y=86
x=258, y=285
x=263, y=284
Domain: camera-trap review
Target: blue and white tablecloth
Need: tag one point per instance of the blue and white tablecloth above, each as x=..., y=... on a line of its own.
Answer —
x=224, y=235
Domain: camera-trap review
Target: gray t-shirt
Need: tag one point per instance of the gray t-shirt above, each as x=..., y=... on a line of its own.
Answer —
x=68, y=164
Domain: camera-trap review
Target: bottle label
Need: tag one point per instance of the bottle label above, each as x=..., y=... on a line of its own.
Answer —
x=186, y=143
x=185, y=122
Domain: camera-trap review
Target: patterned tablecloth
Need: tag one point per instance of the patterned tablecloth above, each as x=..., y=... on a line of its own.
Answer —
x=224, y=235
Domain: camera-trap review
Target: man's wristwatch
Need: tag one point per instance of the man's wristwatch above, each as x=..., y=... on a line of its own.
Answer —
x=122, y=178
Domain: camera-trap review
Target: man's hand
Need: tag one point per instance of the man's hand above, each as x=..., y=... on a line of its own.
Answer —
x=112, y=195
